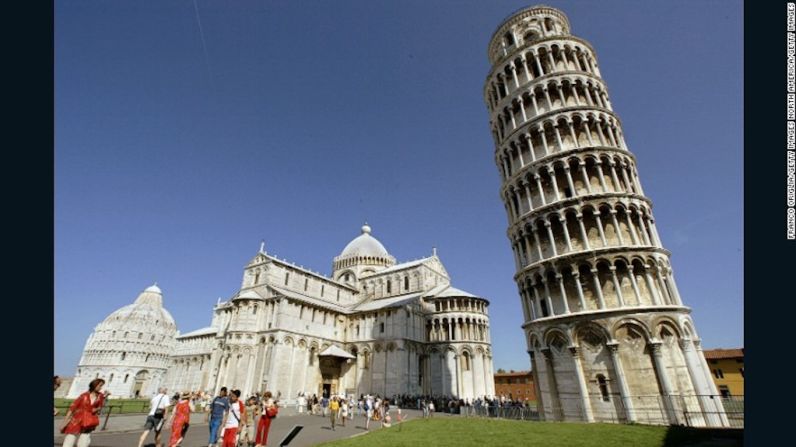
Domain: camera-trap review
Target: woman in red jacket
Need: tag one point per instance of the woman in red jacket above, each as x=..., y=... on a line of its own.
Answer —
x=83, y=415
x=180, y=419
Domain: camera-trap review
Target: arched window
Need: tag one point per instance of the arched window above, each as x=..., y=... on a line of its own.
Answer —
x=509, y=39
x=357, y=330
x=124, y=355
x=140, y=334
x=126, y=376
x=603, y=387
x=312, y=356
x=389, y=286
x=110, y=379
x=257, y=278
x=254, y=310
x=466, y=361
x=125, y=334
x=287, y=277
x=406, y=283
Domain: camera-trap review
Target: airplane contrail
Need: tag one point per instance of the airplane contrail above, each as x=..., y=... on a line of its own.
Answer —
x=204, y=44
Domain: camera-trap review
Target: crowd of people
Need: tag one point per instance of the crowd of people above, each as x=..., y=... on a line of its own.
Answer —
x=231, y=420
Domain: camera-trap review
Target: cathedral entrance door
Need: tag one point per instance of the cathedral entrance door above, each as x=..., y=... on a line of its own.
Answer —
x=326, y=389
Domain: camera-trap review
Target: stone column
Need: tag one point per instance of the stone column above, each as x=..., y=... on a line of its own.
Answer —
x=601, y=176
x=600, y=228
x=632, y=273
x=617, y=286
x=550, y=236
x=598, y=288
x=552, y=173
x=631, y=228
x=548, y=296
x=555, y=402
x=537, y=389
x=698, y=381
x=572, y=134
x=616, y=227
x=539, y=187
x=583, y=233
x=576, y=276
x=630, y=413
x=547, y=98
x=586, y=181
x=528, y=140
x=643, y=228
x=542, y=133
x=670, y=278
x=666, y=385
x=526, y=186
x=538, y=244
x=710, y=385
x=651, y=286
x=563, y=290
x=570, y=183
x=588, y=415
x=563, y=221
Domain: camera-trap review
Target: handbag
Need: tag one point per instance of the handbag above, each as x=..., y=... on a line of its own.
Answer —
x=271, y=412
x=159, y=412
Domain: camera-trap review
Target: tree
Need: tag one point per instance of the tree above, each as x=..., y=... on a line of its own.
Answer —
x=501, y=371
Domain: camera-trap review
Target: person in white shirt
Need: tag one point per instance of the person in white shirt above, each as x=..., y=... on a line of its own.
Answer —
x=232, y=419
x=158, y=412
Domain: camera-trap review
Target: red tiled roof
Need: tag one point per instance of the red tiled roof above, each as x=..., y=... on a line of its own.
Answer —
x=715, y=354
x=513, y=374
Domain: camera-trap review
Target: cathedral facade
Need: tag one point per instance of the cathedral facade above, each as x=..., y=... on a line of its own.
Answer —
x=609, y=336
x=373, y=326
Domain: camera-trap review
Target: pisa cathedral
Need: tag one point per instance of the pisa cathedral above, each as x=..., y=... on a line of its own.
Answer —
x=374, y=326
x=608, y=335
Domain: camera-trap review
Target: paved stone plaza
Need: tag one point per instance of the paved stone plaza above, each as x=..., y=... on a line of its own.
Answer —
x=124, y=430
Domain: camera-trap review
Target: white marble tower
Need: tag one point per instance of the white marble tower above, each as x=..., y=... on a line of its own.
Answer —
x=608, y=334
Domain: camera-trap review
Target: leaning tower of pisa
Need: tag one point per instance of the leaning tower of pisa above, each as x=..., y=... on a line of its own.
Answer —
x=608, y=335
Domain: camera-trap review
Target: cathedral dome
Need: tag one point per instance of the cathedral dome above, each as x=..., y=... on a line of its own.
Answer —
x=364, y=245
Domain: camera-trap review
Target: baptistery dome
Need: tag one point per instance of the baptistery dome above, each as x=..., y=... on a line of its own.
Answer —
x=130, y=349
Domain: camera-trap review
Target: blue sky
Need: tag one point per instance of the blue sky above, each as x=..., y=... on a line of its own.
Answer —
x=301, y=119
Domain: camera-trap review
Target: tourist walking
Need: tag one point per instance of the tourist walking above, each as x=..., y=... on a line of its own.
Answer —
x=368, y=406
x=324, y=405
x=232, y=419
x=431, y=409
x=181, y=416
x=250, y=421
x=82, y=417
x=385, y=413
x=158, y=412
x=334, y=408
x=269, y=411
x=218, y=408
x=56, y=385
x=302, y=402
x=343, y=410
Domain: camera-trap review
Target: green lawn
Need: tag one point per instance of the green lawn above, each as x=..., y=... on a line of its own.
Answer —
x=461, y=431
x=125, y=405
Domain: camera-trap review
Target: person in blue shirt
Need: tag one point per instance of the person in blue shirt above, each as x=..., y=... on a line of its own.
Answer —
x=324, y=404
x=218, y=407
